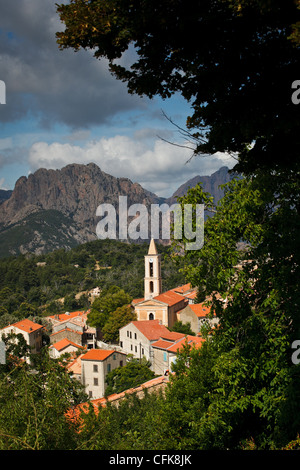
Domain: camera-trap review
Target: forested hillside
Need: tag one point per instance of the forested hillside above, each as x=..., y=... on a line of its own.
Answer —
x=33, y=285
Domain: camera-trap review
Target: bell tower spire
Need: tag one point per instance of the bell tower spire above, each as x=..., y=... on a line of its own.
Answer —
x=152, y=280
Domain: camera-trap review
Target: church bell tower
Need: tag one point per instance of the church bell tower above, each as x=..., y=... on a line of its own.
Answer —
x=152, y=280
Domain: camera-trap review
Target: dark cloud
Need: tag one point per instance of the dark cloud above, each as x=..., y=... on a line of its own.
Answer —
x=56, y=86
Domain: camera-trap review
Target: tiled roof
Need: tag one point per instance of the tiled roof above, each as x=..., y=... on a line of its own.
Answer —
x=98, y=354
x=170, y=298
x=63, y=343
x=137, y=301
x=26, y=325
x=174, y=346
x=151, y=329
x=182, y=289
x=75, y=366
x=74, y=414
x=200, y=309
x=191, y=340
x=67, y=329
x=67, y=316
x=162, y=344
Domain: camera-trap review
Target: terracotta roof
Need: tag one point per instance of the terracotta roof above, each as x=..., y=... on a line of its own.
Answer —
x=162, y=344
x=174, y=346
x=191, y=340
x=191, y=295
x=26, y=325
x=98, y=354
x=151, y=329
x=67, y=329
x=200, y=309
x=182, y=289
x=68, y=316
x=75, y=366
x=137, y=301
x=74, y=414
x=170, y=298
x=172, y=335
x=63, y=343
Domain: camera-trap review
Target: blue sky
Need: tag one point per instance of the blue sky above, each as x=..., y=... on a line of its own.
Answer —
x=64, y=107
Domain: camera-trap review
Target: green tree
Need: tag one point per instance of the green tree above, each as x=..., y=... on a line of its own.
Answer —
x=129, y=376
x=256, y=391
x=117, y=319
x=180, y=327
x=109, y=300
x=233, y=61
x=34, y=403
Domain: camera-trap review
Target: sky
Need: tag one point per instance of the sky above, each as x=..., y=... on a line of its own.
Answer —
x=65, y=107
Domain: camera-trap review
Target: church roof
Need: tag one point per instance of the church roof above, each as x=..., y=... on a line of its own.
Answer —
x=152, y=248
x=170, y=298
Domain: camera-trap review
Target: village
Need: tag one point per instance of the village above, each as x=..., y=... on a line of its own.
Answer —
x=90, y=359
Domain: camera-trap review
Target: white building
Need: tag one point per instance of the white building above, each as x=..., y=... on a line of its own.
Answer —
x=32, y=333
x=137, y=337
x=95, y=365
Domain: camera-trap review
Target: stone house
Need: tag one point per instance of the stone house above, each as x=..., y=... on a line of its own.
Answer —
x=197, y=315
x=62, y=347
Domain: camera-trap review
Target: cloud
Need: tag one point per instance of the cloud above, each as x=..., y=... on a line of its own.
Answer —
x=159, y=167
x=56, y=86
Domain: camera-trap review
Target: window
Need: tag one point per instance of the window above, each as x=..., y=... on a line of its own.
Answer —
x=142, y=350
x=151, y=287
x=151, y=269
x=121, y=363
x=108, y=367
x=95, y=368
x=165, y=356
x=114, y=357
x=127, y=334
x=135, y=348
x=121, y=344
x=151, y=316
x=134, y=335
x=95, y=381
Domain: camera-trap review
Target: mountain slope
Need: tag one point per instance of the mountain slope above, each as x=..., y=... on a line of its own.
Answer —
x=57, y=208
x=210, y=184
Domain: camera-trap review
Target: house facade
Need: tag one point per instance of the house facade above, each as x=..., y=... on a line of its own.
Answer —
x=95, y=365
x=137, y=338
x=62, y=347
x=31, y=331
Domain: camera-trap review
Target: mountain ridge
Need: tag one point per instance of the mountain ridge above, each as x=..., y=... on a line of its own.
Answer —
x=30, y=219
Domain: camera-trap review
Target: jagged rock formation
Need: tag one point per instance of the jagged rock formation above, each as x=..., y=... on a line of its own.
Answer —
x=57, y=208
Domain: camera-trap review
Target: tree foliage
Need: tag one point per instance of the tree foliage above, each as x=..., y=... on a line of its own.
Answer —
x=133, y=374
x=108, y=302
x=235, y=62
